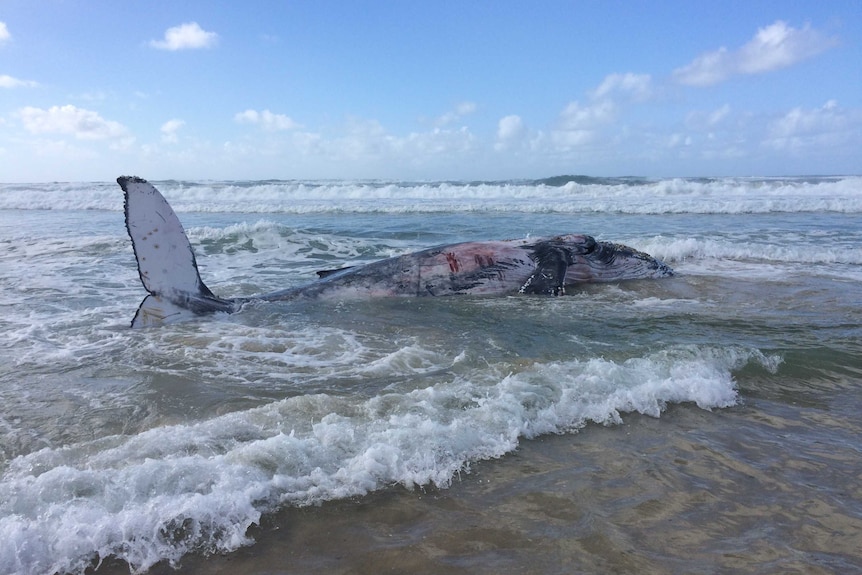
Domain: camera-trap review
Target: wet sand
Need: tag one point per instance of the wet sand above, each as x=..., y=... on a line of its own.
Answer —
x=751, y=489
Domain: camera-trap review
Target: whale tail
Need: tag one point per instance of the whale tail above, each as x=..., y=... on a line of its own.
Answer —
x=166, y=262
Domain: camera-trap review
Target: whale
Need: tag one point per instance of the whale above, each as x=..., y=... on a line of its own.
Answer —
x=545, y=266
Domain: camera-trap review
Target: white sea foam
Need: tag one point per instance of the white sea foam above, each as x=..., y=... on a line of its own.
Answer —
x=264, y=236
x=778, y=250
x=718, y=196
x=161, y=493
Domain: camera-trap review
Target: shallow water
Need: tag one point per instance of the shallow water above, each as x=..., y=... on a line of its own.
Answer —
x=679, y=494
x=706, y=423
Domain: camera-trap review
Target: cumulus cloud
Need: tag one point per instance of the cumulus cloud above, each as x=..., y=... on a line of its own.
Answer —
x=427, y=147
x=367, y=142
x=169, y=130
x=707, y=69
x=10, y=82
x=701, y=120
x=452, y=116
x=799, y=120
x=815, y=129
x=635, y=86
x=773, y=47
x=511, y=132
x=576, y=116
x=364, y=147
x=579, y=124
x=266, y=120
x=716, y=116
x=5, y=36
x=364, y=140
x=779, y=46
x=188, y=36
x=676, y=140
x=81, y=123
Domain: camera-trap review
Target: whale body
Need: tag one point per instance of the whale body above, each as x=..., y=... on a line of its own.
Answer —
x=535, y=266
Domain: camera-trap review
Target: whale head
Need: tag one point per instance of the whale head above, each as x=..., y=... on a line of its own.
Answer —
x=595, y=261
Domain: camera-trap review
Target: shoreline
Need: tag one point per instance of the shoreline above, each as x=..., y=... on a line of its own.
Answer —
x=649, y=496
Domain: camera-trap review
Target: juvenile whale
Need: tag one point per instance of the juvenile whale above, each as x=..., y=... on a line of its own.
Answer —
x=546, y=266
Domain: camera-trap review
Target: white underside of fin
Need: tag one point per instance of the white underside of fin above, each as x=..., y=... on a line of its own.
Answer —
x=166, y=261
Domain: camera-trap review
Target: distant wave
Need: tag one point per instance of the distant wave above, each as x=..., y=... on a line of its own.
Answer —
x=558, y=194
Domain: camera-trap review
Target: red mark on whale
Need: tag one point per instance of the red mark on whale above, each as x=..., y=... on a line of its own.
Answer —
x=454, y=266
x=484, y=261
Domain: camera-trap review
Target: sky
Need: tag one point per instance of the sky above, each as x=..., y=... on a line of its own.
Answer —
x=443, y=90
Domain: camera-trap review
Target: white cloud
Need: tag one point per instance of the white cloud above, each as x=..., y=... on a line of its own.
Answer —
x=452, y=116
x=676, y=140
x=815, y=129
x=10, y=82
x=5, y=36
x=578, y=124
x=169, y=130
x=578, y=117
x=702, y=121
x=465, y=108
x=360, y=148
x=81, y=123
x=266, y=120
x=718, y=115
x=707, y=69
x=800, y=121
x=773, y=47
x=779, y=46
x=637, y=86
x=188, y=36
x=423, y=147
x=364, y=140
x=368, y=141
x=511, y=132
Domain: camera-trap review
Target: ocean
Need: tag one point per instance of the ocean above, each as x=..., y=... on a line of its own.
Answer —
x=704, y=423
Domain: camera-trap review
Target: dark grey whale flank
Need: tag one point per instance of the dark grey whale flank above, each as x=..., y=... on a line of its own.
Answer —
x=540, y=266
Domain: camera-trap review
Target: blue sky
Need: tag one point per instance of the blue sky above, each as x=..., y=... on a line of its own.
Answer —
x=428, y=90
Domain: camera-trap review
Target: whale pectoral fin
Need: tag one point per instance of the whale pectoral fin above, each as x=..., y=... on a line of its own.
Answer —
x=552, y=262
x=166, y=261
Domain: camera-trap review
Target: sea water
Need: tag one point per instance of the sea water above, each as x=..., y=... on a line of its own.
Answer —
x=144, y=448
